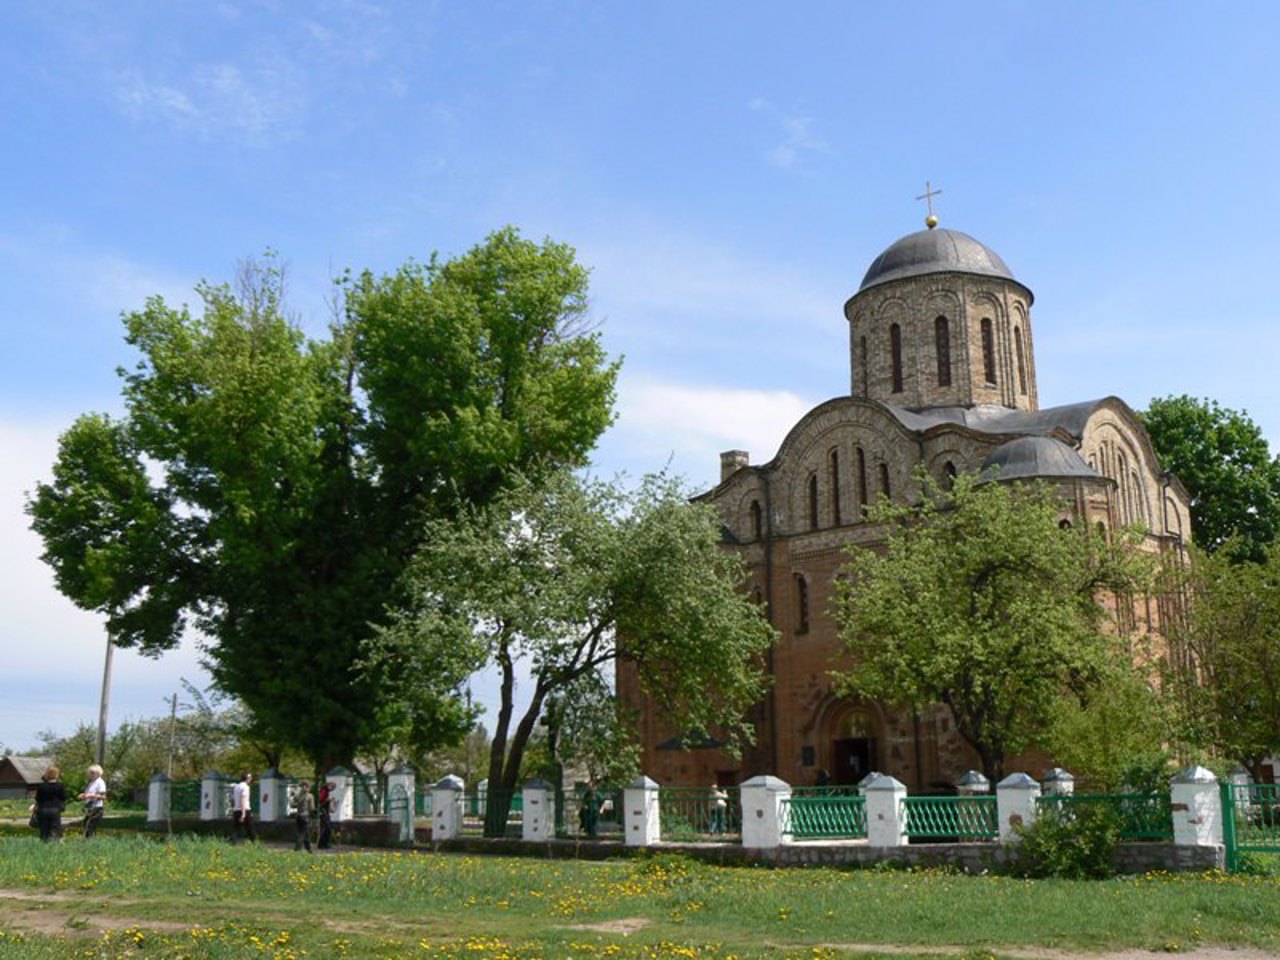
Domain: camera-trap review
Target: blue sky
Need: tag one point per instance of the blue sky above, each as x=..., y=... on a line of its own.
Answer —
x=728, y=170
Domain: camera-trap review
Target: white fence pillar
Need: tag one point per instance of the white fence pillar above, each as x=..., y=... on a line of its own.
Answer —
x=762, y=801
x=1058, y=783
x=539, y=819
x=158, y=798
x=214, y=800
x=342, y=800
x=886, y=821
x=1197, y=808
x=446, y=808
x=402, y=776
x=1016, y=797
x=271, y=787
x=642, y=824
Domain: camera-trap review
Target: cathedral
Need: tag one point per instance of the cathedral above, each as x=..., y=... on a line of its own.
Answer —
x=942, y=378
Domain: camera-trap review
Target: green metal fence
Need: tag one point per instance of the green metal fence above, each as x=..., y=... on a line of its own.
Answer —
x=482, y=809
x=184, y=798
x=822, y=813
x=692, y=815
x=1250, y=821
x=1141, y=816
x=951, y=818
x=367, y=795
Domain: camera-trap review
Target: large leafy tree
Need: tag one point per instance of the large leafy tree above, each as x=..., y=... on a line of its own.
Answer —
x=1228, y=673
x=982, y=602
x=569, y=577
x=1223, y=460
x=269, y=489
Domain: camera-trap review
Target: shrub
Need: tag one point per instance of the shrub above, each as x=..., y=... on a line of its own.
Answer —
x=1074, y=844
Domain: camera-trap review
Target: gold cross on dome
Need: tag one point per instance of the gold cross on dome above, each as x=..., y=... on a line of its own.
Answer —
x=929, y=193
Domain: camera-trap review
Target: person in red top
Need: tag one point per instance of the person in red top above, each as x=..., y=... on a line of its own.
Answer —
x=326, y=823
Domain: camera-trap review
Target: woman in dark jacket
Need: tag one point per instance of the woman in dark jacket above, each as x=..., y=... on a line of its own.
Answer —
x=51, y=800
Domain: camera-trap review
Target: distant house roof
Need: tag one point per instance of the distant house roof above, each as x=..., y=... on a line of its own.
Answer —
x=23, y=770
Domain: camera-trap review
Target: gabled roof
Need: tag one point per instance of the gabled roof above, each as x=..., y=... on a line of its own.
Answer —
x=30, y=769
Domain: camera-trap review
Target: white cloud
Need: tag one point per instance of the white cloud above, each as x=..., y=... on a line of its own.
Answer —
x=690, y=425
x=257, y=105
x=798, y=137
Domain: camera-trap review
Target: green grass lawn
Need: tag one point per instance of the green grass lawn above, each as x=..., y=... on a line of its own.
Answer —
x=124, y=897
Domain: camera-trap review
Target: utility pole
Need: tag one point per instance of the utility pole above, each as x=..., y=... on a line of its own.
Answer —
x=102, y=706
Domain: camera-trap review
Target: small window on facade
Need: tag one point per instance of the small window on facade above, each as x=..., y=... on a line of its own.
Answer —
x=1022, y=361
x=948, y=475
x=988, y=352
x=942, y=347
x=862, y=480
x=834, y=466
x=895, y=352
x=813, y=501
x=862, y=365
x=1064, y=524
x=884, y=480
x=802, y=604
x=757, y=520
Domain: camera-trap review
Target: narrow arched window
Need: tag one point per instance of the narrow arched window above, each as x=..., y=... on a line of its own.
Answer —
x=802, y=604
x=834, y=468
x=1022, y=360
x=813, y=501
x=863, y=495
x=757, y=520
x=884, y=480
x=895, y=353
x=942, y=347
x=862, y=365
x=988, y=352
x=1064, y=524
x=948, y=475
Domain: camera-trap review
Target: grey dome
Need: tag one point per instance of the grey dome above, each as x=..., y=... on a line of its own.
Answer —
x=935, y=251
x=1029, y=457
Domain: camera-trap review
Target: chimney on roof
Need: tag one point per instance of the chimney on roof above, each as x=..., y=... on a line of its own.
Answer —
x=731, y=461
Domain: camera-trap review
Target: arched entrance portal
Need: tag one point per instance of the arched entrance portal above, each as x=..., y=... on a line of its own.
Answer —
x=852, y=738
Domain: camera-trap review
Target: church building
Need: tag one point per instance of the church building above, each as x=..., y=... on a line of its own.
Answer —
x=942, y=376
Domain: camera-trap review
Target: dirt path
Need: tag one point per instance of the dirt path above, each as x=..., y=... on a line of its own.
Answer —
x=77, y=915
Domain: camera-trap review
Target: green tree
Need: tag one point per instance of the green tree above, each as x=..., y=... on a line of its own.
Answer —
x=1228, y=674
x=983, y=603
x=570, y=576
x=269, y=489
x=1223, y=460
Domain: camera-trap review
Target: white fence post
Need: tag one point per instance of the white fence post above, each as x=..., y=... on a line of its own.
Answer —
x=1016, y=797
x=213, y=801
x=641, y=818
x=539, y=819
x=1196, y=800
x=342, y=801
x=270, y=786
x=886, y=820
x=1058, y=783
x=158, y=794
x=762, y=801
x=446, y=808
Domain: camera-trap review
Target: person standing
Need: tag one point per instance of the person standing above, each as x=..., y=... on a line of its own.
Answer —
x=589, y=815
x=304, y=806
x=242, y=810
x=719, y=802
x=95, y=798
x=51, y=800
x=326, y=817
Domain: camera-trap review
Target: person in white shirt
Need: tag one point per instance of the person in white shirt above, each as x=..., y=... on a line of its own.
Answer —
x=242, y=810
x=94, y=797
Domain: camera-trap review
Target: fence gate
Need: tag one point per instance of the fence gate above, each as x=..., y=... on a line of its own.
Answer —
x=400, y=811
x=1250, y=820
